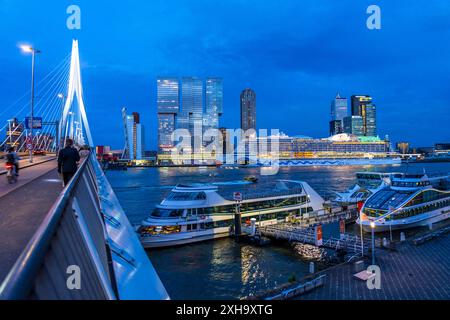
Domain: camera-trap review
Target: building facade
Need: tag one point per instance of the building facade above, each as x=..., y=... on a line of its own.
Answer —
x=190, y=104
x=248, y=110
x=339, y=110
x=168, y=104
x=402, y=147
x=135, y=135
x=354, y=125
x=362, y=105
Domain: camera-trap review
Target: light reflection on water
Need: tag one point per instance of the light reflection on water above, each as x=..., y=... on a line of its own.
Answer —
x=224, y=269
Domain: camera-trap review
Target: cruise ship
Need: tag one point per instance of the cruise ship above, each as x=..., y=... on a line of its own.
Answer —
x=367, y=183
x=193, y=213
x=410, y=201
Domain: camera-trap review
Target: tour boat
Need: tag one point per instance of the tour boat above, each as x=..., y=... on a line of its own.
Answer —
x=367, y=183
x=410, y=201
x=192, y=213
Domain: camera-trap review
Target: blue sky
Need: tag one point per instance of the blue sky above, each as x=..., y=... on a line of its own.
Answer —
x=295, y=54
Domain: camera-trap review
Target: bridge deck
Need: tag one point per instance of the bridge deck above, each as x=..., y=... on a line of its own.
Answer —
x=23, y=208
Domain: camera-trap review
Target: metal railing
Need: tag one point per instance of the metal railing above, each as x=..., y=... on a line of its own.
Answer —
x=85, y=249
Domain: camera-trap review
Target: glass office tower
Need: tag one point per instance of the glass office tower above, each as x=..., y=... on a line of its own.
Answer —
x=168, y=104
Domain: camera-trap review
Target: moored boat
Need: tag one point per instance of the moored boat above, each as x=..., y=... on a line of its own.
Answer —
x=193, y=213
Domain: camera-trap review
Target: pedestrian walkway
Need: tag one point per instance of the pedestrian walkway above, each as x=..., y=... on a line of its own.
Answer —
x=27, y=174
x=22, y=209
x=411, y=273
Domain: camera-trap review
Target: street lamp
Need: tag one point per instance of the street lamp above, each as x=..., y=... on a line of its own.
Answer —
x=372, y=226
x=33, y=51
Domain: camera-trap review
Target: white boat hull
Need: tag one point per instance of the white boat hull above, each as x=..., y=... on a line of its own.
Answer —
x=422, y=220
x=170, y=240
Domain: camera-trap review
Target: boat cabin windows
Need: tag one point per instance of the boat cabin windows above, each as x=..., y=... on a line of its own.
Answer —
x=186, y=196
x=410, y=184
x=167, y=213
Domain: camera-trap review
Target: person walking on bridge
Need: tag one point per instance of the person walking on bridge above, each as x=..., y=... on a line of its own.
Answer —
x=68, y=159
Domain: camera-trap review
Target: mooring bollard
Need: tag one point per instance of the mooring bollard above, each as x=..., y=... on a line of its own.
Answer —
x=253, y=224
x=359, y=266
x=402, y=237
x=311, y=267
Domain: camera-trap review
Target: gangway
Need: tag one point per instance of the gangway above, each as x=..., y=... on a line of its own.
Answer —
x=349, y=243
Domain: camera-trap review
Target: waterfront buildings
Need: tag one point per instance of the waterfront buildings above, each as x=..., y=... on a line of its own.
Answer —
x=168, y=104
x=362, y=105
x=339, y=110
x=191, y=104
x=248, y=110
x=135, y=143
x=336, y=127
x=354, y=125
x=402, y=147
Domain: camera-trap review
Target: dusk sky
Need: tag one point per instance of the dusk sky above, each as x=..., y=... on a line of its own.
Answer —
x=296, y=55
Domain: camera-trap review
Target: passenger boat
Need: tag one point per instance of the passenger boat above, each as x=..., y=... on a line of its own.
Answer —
x=410, y=201
x=192, y=213
x=367, y=183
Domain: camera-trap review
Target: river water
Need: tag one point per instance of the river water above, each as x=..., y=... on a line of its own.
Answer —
x=224, y=269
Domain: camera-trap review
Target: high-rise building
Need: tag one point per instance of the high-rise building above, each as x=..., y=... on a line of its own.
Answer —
x=188, y=104
x=363, y=106
x=339, y=108
x=135, y=137
x=191, y=115
x=336, y=127
x=214, y=103
x=248, y=110
x=168, y=103
x=354, y=125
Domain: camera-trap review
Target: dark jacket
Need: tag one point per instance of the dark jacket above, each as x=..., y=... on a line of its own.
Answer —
x=67, y=160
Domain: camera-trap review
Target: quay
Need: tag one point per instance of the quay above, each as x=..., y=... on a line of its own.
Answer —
x=409, y=273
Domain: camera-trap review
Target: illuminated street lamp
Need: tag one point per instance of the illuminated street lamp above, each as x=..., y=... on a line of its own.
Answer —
x=372, y=226
x=33, y=51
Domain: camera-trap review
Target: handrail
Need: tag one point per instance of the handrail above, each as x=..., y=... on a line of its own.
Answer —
x=18, y=283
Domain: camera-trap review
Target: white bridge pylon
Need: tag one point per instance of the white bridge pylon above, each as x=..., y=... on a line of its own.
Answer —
x=74, y=121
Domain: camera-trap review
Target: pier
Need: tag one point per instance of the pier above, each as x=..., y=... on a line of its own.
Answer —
x=350, y=243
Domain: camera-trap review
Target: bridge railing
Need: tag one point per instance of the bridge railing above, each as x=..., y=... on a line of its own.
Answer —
x=85, y=249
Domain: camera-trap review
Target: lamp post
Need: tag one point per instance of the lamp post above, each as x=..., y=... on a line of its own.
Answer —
x=372, y=226
x=33, y=51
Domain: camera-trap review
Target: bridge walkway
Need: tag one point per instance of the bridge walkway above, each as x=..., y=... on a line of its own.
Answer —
x=22, y=209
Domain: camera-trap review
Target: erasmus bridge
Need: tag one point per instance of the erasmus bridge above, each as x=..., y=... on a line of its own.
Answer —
x=71, y=243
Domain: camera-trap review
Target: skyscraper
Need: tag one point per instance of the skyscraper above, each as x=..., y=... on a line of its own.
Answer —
x=214, y=103
x=188, y=104
x=339, y=108
x=168, y=103
x=353, y=125
x=363, y=106
x=135, y=137
x=248, y=110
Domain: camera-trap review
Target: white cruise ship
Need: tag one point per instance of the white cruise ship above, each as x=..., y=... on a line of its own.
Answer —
x=195, y=213
x=410, y=201
x=367, y=183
